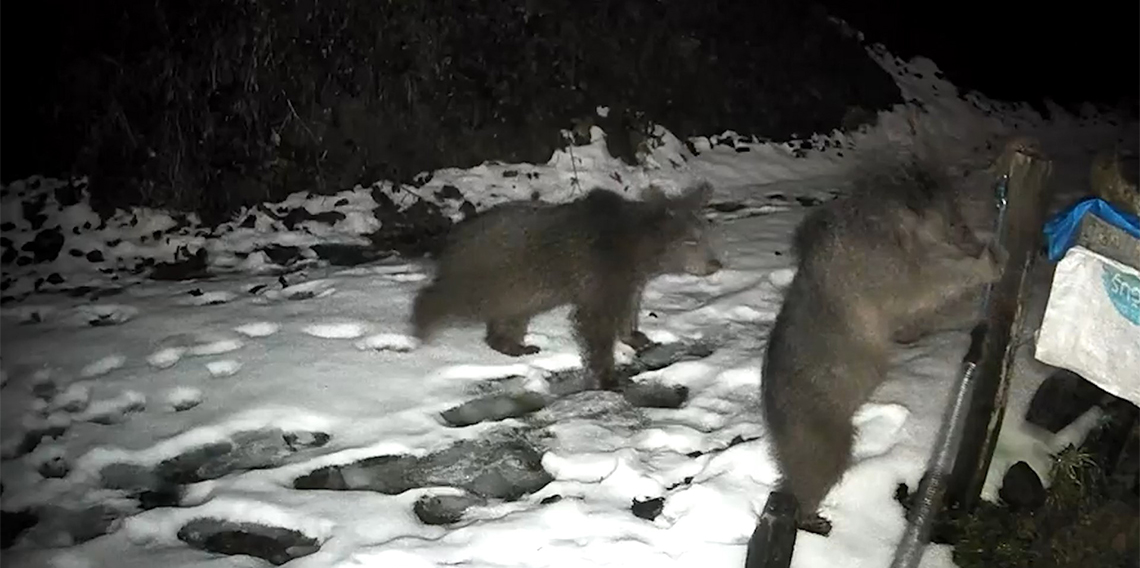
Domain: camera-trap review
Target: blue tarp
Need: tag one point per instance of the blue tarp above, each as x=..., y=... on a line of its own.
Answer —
x=1061, y=230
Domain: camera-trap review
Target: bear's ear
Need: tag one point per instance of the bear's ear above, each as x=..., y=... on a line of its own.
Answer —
x=696, y=197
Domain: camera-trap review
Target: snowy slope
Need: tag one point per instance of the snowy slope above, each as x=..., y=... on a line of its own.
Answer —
x=272, y=382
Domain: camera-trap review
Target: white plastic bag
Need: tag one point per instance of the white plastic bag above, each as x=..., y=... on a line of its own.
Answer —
x=1092, y=322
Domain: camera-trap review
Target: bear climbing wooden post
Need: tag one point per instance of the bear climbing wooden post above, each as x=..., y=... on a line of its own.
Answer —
x=965, y=444
x=1028, y=194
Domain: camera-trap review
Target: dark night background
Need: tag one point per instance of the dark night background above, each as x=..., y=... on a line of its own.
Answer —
x=175, y=103
x=1014, y=49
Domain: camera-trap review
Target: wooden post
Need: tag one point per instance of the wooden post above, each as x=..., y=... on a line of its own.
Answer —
x=1028, y=195
x=774, y=538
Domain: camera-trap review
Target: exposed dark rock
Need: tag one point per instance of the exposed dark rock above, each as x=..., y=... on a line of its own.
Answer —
x=282, y=254
x=444, y=509
x=648, y=509
x=274, y=544
x=344, y=254
x=501, y=467
x=1021, y=489
x=13, y=524
x=47, y=244
x=1061, y=399
x=193, y=267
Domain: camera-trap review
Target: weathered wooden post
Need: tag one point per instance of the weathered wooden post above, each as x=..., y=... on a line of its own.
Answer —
x=1028, y=195
x=965, y=444
x=774, y=538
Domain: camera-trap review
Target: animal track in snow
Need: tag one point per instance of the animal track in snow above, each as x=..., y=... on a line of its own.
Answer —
x=176, y=346
x=340, y=330
x=387, y=342
x=102, y=366
x=223, y=368
x=877, y=427
x=312, y=289
x=730, y=210
x=400, y=272
x=74, y=398
x=216, y=347
x=167, y=357
x=104, y=314
x=27, y=314
x=744, y=314
x=208, y=298
x=506, y=400
x=183, y=398
x=258, y=329
x=473, y=372
x=114, y=410
x=408, y=277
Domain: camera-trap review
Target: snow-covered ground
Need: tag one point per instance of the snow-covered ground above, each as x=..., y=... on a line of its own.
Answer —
x=275, y=374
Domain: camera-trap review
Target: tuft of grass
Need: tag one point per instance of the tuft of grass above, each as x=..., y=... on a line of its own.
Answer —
x=1079, y=525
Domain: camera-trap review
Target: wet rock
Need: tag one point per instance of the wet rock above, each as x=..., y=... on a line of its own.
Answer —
x=1021, y=489
x=255, y=449
x=1061, y=399
x=301, y=440
x=344, y=254
x=594, y=405
x=655, y=395
x=54, y=468
x=192, y=466
x=46, y=246
x=191, y=267
x=252, y=449
x=661, y=355
x=275, y=545
x=501, y=467
x=444, y=509
x=648, y=509
x=128, y=476
x=493, y=407
x=282, y=255
x=300, y=215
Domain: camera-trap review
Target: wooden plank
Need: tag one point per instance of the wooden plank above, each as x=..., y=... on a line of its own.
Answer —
x=1109, y=241
x=1028, y=194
